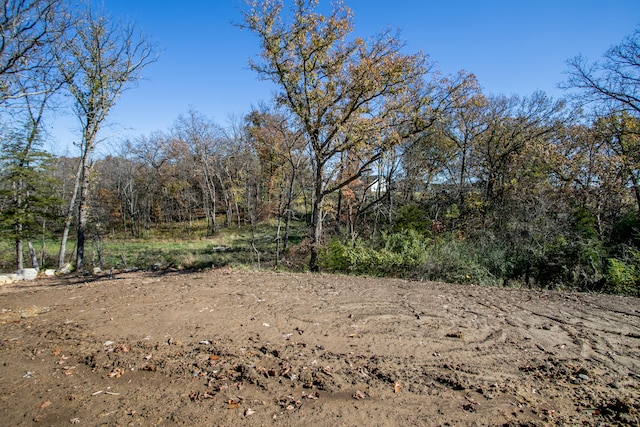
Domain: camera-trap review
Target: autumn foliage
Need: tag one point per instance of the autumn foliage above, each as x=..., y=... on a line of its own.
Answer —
x=392, y=168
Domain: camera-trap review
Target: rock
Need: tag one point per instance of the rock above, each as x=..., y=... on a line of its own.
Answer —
x=27, y=274
x=96, y=271
x=66, y=269
x=50, y=272
x=5, y=279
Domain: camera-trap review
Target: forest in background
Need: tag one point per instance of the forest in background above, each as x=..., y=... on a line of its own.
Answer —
x=367, y=160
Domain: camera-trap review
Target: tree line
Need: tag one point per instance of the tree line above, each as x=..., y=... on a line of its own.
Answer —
x=50, y=48
x=394, y=168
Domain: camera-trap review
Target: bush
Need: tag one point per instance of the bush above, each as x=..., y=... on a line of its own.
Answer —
x=411, y=217
x=335, y=257
x=568, y=262
x=459, y=262
x=627, y=230
x=576, y=263
x=409, y=244
x=358, y=259
x=409, y=254
x=399, y=254
x=623, y=276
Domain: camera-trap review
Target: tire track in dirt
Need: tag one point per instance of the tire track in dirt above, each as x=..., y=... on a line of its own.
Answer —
x=240, y=348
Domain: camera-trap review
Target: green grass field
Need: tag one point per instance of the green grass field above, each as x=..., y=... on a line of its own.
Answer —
x=238, y=247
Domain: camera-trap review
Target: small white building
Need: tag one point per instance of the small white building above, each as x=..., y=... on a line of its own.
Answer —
x=378, y=184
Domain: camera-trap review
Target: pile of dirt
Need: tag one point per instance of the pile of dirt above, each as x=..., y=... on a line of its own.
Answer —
x=244, y=348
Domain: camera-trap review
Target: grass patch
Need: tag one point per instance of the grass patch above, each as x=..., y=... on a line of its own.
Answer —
x=237, y=247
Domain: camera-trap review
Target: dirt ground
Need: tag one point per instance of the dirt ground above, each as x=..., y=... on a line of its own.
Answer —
x=230, y=348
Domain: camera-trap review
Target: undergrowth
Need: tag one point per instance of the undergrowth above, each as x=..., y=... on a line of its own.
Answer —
x=571, y=264
x=238, y=247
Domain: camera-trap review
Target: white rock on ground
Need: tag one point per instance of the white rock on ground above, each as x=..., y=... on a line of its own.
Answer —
x=24, y=274
x=27, y=274
x=65, y=269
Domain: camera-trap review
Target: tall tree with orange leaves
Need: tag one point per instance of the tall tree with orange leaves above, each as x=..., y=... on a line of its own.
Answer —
x=346, y=94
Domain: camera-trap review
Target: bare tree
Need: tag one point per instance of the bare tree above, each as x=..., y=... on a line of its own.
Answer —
x=621, y=134
x=615, y=81
x=101, y=58
x=200, y=136
x=613, y=85
x=29, y=29
x=280, y=150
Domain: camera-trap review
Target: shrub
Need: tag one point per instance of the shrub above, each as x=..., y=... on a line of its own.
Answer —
x=459, y=262
x=409, y=244
x=627, y=230
x=571, y=262
x=335, y=256
x=399, y=254
x=357, y=258
x=623, y=276
x=411, y=217
x=409, y=254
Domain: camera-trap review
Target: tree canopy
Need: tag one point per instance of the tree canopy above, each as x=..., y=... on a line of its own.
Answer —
x=387, y=166
x=351, y=98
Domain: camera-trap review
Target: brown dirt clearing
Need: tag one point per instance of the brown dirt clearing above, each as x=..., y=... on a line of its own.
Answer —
x=235, y=348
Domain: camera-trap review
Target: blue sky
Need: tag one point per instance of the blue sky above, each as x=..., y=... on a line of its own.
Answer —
x=513, y=47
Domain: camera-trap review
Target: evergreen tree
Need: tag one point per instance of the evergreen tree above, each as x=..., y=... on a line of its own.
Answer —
x=27, y=195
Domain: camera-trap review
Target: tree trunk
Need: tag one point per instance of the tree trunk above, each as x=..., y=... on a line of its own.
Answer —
x=463, y=167
x=19, y=256
x=83, y=207
x=33, y=255
x=316, y=234
x=44, y=243
x=316, y=220
x=635, y=182
x=228, y=197
x=288, y=208
x=67, y=222
x=211, y=196
x=282, y=209
x=82, y=212
x=338, y=213
x=19, y=226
